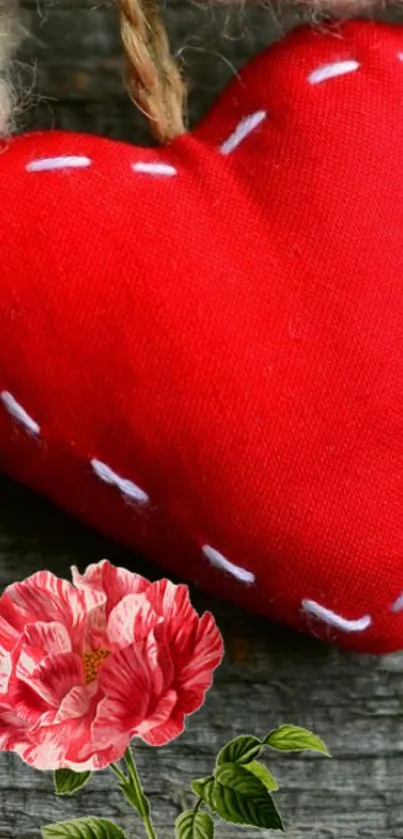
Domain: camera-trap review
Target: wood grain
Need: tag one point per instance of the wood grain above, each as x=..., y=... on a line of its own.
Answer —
x=270, y=674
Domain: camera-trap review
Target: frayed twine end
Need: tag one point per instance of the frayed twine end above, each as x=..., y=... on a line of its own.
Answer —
x=11, y=34
x=6, y=108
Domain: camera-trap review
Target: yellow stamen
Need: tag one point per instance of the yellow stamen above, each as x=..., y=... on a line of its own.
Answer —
x=92, y=662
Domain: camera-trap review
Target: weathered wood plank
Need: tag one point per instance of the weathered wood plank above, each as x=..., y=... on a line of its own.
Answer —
x=270, y=674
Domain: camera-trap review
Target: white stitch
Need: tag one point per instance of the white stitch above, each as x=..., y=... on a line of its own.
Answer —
x=332, y=71
x=244, y=127
x=220, y=561
x=397, y=606
x=155, y=169
x=48, y=164
x=333, y=619
x=126, y=487
x=18, y=413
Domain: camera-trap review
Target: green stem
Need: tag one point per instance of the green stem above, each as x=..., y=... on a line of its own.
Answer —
x=118, y=772
x=135, y=780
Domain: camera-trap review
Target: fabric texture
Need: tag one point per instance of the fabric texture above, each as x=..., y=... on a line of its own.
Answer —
x=202, y=345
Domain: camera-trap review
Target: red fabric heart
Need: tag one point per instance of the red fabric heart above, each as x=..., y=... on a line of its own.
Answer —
x=202, y=346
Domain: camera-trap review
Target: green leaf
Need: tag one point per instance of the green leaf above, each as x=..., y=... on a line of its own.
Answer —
x=263, y=774
x=203, y=787
x=238, y=796
x=86, y=828
x=292, y=738
x=241, y=750
x=194, y=825
x=67, y=782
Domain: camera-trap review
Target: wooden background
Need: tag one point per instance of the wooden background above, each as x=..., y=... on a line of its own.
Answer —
x=73, y=64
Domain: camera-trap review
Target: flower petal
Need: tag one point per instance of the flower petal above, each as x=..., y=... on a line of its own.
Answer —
x=55, y=676
x=115, y=582
x=159, y=717
x=80, y=748
x=48, y=750
x=167, y=731
x=115, y=752
x=180, y=619
x=92, y=578
x=195, y=678
x=12, y=622
x=13, y=730
x=28, y=705
x=99, y=759
x=43, y=596
x=26, y=661
x=172, y=601
x=78, y=703
x=160, y=664
x=50, y=637
x=62, y=738
x=131, y=620
x=6, y=668
x=96, y=633
x=83, y=749
x=127, y=686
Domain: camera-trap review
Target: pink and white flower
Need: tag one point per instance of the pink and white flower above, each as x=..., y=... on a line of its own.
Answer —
x=86, y=666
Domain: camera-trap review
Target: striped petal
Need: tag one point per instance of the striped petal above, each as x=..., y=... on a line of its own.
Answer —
x=43, y=596
x=27, y=660
x=5, y=671
x=173, y=726
x=196, y=676
x=115, y=582
x=49, y=746
x=154, y=729
x=131, y=620
x=79, y=702
x=55, y=676
x=127, y=686
x=50, y=637
x=29, y=706
x=13, y=729
x=12, y=622
x=170, y=600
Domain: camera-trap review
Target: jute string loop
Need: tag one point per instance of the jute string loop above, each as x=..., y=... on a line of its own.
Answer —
x=153, y=79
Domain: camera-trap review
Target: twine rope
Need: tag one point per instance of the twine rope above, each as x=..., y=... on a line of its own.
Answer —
x=152, y=77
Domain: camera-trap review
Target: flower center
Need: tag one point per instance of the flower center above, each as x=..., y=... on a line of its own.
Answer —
x=92, y=662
